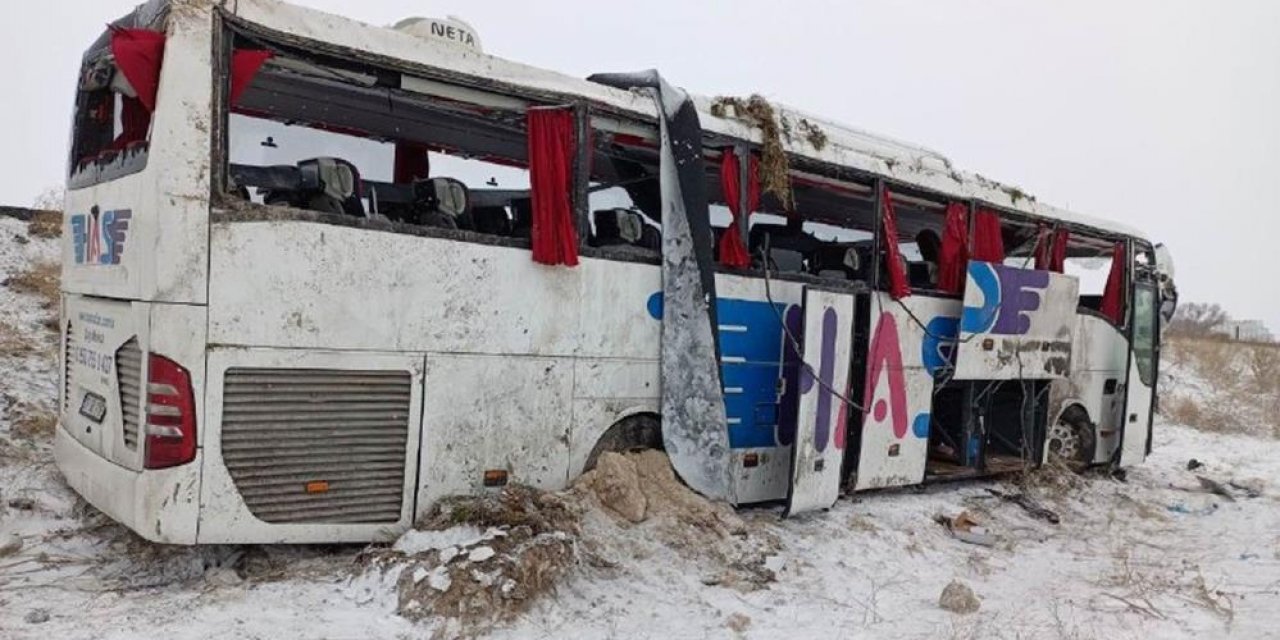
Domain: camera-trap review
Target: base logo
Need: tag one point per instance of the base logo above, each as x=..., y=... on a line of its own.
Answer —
x=98, y=237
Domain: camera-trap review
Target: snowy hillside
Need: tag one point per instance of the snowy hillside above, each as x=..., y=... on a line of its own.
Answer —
x=630, y=554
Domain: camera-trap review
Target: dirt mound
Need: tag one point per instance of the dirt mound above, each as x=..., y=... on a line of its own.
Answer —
x=642, y=486
x=480, y=561
x=653, y=512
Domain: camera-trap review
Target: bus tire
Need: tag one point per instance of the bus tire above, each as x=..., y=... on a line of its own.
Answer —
x=632, y=433
x=1071, y=439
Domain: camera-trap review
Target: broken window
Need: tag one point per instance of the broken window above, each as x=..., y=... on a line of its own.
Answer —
x=115, y=99
x=1089, y=260
x=827, y=233
x=920, y=221
x=624, y=204
x=341, y=139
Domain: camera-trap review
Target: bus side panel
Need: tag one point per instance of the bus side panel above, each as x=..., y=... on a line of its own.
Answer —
x=1098, y=360
x=901, y=359
x=144, y=236
x=606, y=391
x=293, y=284
x=486, y=413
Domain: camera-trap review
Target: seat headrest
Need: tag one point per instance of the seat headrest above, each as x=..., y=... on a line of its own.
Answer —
x=624, y=225
x=332, y=176
x=445, y=195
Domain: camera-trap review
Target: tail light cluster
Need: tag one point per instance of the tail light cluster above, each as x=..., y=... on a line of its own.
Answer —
x=171, y=415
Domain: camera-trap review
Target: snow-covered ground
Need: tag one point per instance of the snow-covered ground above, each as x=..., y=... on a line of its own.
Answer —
x=1155, y=556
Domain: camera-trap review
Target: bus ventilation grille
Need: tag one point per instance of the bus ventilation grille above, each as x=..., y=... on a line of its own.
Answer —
x=129, y=378
x=309, y=445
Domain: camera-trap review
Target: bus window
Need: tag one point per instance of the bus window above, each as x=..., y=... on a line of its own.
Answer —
x=828, y=232
x=111, y=126
x=1089, y=260
x=1144, y=332
x=374, y=144
x=624, y=206
x=920, y=226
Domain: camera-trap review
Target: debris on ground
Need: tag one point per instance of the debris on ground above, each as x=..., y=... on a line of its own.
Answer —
x=1216, y=488
x=1179, y=507
x=965, y=528
x=1028, y=504
x=480, y=561
x=11, y=545
x=22, y=504
x=959, y=598
x=1194, y=464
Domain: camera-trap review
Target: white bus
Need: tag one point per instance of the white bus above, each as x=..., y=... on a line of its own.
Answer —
x=320, y=274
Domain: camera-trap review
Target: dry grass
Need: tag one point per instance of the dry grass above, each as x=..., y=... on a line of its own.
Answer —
x=41, y=279
x=31, y=422
x=13, y=343
x=1264, y=365
x=775, y=168
x=45, y=224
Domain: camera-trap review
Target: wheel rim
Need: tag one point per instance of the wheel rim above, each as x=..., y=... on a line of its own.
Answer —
x=1064, y=442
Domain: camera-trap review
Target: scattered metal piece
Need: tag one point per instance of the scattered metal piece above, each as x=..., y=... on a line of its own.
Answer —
x=1029, y=505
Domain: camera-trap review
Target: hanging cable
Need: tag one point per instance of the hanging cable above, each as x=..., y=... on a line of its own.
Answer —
x=791, y=339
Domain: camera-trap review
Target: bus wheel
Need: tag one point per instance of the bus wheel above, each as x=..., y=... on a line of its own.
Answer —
x=632, y=433
x=1071, y=438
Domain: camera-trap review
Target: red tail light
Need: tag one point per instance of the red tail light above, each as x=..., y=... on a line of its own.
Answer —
x=171, y=415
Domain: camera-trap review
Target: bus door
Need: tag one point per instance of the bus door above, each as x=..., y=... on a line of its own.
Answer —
x=817, y=457
x=1140, y=391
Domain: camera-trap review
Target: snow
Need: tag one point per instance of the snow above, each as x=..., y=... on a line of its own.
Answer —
x=415, y=542
x=1152, y=556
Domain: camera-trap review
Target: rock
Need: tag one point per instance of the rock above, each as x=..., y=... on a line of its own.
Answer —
x=37, y=616
x=959, y=598
x=11, y=545
x=617, y=486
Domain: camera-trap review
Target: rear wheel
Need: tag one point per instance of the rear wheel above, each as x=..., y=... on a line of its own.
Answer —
x=633, y=433
x=1070, y=439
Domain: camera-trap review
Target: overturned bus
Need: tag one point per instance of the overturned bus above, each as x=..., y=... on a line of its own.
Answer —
x=319, y=275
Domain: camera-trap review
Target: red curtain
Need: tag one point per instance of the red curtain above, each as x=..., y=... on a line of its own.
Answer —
x=1051, y=249
x=245, y=64
x=135, y=119
x=551, y=148
x=1058, y=255
x=988, y=244
x=898, y=287
x=1043, y=238
x=1113, y=296
x=954, y=254
x=139, y=54
x=411, y=162
x=733, y=252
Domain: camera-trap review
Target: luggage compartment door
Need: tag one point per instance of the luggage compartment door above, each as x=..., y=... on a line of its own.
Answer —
x=818, y=453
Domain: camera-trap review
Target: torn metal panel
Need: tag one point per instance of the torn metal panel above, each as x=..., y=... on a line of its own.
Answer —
x=695, y=427
x=1018, y=324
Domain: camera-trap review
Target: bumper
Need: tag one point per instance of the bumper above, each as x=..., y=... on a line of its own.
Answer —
x=160, y=505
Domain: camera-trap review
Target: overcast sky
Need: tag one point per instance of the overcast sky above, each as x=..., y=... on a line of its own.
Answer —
x=1164, y=114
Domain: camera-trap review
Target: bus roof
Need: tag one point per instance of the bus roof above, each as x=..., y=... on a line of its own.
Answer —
x=844, y=145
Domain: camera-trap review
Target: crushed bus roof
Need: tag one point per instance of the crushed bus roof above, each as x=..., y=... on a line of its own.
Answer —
x=844, y=145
